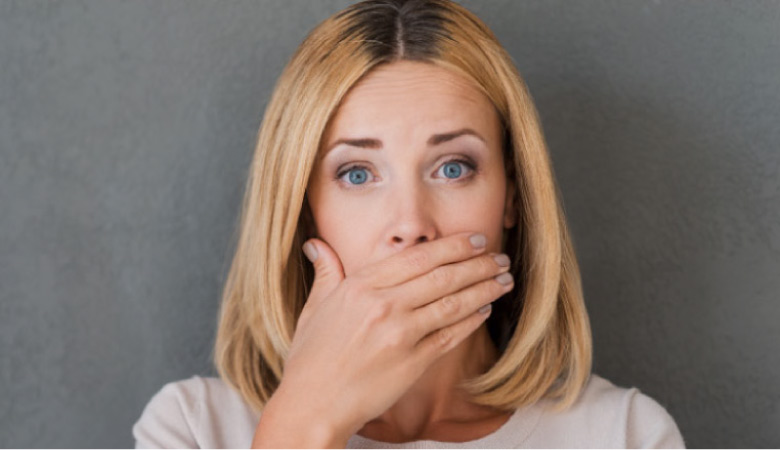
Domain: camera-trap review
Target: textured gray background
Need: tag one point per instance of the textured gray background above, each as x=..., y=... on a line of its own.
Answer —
x=125, y=133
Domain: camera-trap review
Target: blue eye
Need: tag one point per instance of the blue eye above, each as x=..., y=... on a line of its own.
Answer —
x=357, y=175
x=454, y=168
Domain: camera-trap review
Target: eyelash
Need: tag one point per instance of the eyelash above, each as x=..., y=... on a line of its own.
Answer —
x=469, y=164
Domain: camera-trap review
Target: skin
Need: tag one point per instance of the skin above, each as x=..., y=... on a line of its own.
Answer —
x=406, y=192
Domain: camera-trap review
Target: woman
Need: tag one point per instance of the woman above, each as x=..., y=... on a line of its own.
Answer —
x=402, y=148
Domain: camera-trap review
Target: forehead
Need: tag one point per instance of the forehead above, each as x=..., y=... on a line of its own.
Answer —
x=412, y=94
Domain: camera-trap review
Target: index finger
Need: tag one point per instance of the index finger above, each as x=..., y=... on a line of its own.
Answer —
x=420, y=259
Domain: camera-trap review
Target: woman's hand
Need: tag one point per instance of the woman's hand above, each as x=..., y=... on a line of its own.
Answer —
x=363, y=340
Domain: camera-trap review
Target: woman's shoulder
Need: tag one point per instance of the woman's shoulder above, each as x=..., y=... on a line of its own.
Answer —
x=195, y=390
x=195, y=412
x=612, y=415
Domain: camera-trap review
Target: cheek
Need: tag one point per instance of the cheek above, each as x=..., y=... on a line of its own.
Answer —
x=481, y=210
x=349, y=225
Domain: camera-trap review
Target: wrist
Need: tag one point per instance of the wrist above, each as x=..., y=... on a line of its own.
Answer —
x=287, y=423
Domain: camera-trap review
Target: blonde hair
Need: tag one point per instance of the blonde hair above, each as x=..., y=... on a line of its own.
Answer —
x=541, y=328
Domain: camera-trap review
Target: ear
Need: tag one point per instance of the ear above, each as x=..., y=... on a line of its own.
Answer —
x=510, y=207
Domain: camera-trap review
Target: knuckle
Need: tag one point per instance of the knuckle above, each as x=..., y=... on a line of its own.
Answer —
x=417, y=259
x=396, y=339
x=441, y=276
x=443, y=337
x=449, y=305
x=379, y=312
x=488, y=265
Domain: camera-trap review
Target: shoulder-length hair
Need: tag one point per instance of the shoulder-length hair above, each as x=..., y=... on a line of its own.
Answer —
x=541, y=327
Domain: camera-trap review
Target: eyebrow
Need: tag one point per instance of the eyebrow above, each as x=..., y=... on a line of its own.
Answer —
x=376, y=144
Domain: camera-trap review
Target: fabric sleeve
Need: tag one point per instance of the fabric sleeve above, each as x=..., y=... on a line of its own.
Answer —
x=650, y=425
x=166, y=421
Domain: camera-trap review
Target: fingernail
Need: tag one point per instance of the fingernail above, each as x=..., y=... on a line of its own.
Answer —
x=502, y=260
x=504, y=278
x=486, y=309
x=310, y=251
x=478, y=240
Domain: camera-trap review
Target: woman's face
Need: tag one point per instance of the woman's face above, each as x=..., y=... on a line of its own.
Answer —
x=413, y=154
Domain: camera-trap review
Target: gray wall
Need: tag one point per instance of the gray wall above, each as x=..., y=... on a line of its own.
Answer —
x=125, y=133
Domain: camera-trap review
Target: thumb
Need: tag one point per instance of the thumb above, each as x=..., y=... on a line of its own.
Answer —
x=328, y=271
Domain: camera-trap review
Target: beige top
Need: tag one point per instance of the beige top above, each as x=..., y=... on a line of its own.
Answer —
x=206, y=413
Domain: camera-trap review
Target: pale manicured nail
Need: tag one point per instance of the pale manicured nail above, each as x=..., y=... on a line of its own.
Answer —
x=486, y=309
x=504, y=278
x=502, y=260
x=478, y=240
x=310, y=251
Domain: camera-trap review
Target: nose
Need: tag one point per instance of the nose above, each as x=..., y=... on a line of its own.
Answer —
x=411, y=218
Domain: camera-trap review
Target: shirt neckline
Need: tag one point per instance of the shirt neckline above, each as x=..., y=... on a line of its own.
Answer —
x=512, y=432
